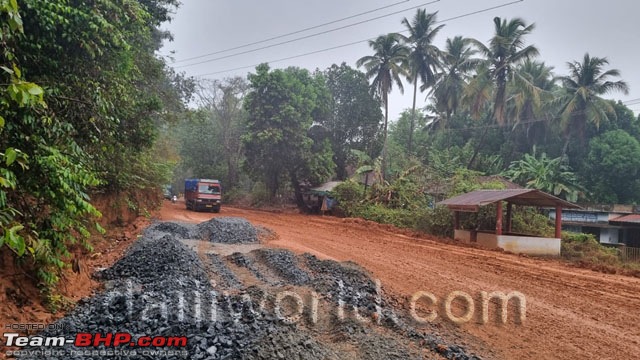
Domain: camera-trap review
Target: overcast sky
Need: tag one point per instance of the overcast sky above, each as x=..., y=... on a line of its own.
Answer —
x=565, y=30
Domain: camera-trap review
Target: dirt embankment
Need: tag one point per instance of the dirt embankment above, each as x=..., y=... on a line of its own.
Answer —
x=570, y=313
x=22, y=301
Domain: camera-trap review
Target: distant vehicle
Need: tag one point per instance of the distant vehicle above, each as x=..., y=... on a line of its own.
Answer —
x=174, y=199
x=167, y=192
x=203, y=194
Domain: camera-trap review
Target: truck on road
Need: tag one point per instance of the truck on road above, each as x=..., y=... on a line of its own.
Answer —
x=203, y=194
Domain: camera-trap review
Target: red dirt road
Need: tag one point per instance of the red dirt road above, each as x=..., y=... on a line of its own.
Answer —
x=571, y=313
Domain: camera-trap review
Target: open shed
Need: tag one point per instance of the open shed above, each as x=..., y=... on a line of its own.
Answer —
x=319, y=199
x=503, y=237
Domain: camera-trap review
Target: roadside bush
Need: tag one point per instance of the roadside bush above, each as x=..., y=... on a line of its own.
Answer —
x=526, y=220
x=585, y=248
x=259, y=194
x=402, y=218
x=438, y=221
x=350, y=196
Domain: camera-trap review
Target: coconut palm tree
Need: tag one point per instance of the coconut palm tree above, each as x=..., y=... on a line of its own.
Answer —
x=386, y=66
x=505, y=51
x=586, y=82
x=532, y=111
x=457, y=65
x=424, y=57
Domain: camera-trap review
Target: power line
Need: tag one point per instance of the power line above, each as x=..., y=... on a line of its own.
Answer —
x=355, y=42
x=531, y=120
x=637, y=100
x=291, y=33
x=307, y=36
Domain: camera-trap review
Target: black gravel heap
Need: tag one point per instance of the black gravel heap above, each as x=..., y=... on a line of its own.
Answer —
x=153, y=259
x=161, y=228
x=160, y=288
x=246, y=262
x=219, y=268
x=285, y=264
x=349, y=283
x=228, y=230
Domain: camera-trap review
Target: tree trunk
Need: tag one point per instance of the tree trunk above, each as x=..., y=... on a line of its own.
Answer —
x=341, y=171
x=413, y=115
x=272, y=186
x=565, y=147
x=383, y=165
x=232, y=172
x=297, y=191
x=479, y=146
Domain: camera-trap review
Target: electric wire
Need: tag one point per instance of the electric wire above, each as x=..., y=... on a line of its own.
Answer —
x=305, y=37
x=290, y=33
x=355, y=42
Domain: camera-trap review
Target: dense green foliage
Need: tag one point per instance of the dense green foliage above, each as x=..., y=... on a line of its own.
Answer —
x=89, y=127
x=354, y=119
x=209, y=139
x=584, y=247
x=280, y=143
x=613, y=167
x=550, y=175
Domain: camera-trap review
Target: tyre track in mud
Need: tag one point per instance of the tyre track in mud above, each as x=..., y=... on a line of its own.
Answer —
x=572, y=313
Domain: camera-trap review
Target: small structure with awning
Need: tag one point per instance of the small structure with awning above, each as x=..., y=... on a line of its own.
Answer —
x=503, y=236
x=323, y=199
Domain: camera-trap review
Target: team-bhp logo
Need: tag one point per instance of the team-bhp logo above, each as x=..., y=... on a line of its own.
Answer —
x=94, y=340
x=87, y=344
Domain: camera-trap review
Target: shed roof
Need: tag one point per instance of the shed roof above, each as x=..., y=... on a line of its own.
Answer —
x=528, y=197
x=325, y=188
x=633, y=219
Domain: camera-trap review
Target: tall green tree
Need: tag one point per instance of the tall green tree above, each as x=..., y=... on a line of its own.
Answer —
x=533, y=113
x=282, y=106
x=458, y=63
x=506, y=49
x=355, y=118
x=587, y=81
x=223, y=102
x=424, y=56
x=612, y=168
x=385, y=67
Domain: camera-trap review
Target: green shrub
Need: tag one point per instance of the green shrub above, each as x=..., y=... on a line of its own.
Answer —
x=259, y=195
x=379, y=213
x=350, y=196
x=438, y=221
x=585, y=248
x=526, y=220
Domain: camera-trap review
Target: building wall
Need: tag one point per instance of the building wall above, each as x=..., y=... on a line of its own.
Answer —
x=609, y=235
x=517, y=244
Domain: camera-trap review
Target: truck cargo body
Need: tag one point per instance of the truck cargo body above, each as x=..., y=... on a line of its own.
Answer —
x=203, y=194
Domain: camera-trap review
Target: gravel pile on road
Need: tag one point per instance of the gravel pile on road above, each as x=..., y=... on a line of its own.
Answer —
x=345, y=281
x=285, y=264
x=157, y=229
x=153, y=259
x=246, y=262
x=228, y=230
x=162, y=288
x=226, y=277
